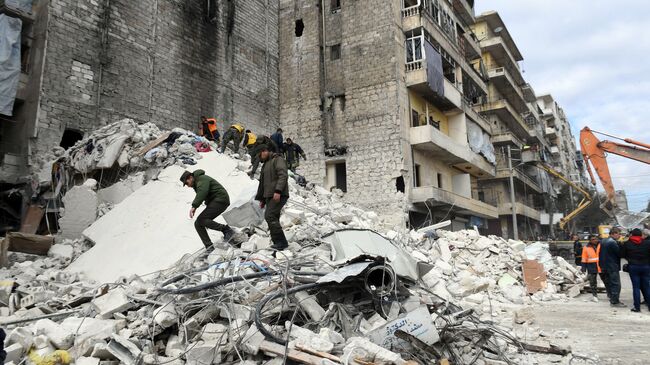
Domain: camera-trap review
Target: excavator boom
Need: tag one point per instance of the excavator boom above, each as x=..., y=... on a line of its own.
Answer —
x=595, y=152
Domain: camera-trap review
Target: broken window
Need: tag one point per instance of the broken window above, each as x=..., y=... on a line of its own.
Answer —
x=415, y=118
x=70, y=137
x=414, y=49
x=416, y=176
x=300, y=26
x=434, y=123
x=336, y=5
x=336, y=176
x=399, y=184
x=335, y=52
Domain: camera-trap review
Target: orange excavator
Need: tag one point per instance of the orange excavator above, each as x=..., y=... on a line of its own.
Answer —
x=595, y=152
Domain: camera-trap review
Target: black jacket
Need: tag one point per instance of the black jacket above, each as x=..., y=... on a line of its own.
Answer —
x=274, y=178
x=637, y=253
x=577, y=249
x=610, y=256
x=292, y=152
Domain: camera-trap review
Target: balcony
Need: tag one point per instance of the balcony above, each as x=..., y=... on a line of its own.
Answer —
x=416, y=79
x=414, y=18
x=522, y=209
x=529, y=93
x=555, y=151
x=471, y=47
x=508, y=88
x=507, y=114
x=507, y=138
x=444, y=149
x=502, y=56
x=537, y=134
x=551, y=132
x=463, y=9
x=436, y=197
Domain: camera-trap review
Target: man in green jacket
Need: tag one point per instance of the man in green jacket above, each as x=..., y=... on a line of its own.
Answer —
x=273, y=193
x=216, y=200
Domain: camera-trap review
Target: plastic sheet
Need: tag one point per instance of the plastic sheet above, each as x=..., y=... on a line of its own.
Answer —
x=479, y=142
x=9, y=62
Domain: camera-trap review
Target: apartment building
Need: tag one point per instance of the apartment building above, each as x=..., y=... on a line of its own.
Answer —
x=89, y=63
x=515, y=119
x=380, y=96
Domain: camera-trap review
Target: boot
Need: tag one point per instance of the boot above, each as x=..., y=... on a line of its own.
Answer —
x=279, y=245
x=228, y=233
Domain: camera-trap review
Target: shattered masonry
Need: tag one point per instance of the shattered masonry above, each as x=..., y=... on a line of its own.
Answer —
x=348, y=290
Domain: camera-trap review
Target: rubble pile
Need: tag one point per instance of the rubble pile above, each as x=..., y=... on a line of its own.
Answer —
x=343, y=293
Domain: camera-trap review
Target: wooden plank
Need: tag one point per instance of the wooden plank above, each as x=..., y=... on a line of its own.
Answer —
x=319, y=353
x=4, y=245
x=32, y=219
x=292, y=354
x=29, y=243
x=153, y=143
x=534, y=276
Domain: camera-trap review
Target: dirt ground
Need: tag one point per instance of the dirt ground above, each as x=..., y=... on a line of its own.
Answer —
x=616, y=335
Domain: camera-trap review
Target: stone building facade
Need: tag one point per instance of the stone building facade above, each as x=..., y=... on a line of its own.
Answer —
x=356, y=95
x=161, y=61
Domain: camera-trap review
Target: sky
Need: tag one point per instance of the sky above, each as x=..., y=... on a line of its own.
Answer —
x=592, y=56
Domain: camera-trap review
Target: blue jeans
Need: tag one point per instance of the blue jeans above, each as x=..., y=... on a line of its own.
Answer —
x=640, y=277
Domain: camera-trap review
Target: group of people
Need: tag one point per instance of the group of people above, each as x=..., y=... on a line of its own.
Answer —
x=272, y=191
x=253, y=143
x=603, y=258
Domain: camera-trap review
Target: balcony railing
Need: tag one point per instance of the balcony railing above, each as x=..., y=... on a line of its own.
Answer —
x=415, y=65
x=411, y=11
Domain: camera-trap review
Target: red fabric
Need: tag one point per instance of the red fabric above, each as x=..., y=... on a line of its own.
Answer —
x=202, y=147
x=636, y=239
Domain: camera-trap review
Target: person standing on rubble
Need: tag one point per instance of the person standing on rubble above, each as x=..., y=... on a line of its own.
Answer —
x=610, y=266
x=273, y=193
x=256, y=148
x=637, y=252
x=590, y=264
x=292, y=153
x=278, y=139
x=577, y=249
x=216, y=200
x=234, y=134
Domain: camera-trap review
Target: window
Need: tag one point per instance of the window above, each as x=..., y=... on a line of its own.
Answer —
x=300, y=26
x=440, y=181
x=399, y=184
x=481, y=196
x=414, y=49
x=336, y=5
x=336, y=176
x=417, y=180
x=335, y=52
x=415, y=118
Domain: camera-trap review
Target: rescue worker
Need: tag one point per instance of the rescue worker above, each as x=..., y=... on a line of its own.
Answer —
x=216, y=200
x=590, y=264
x=292, y=153
x=255, y=150
x=234, y=134
x=636, y=251
x=577, y=249
x=273, y=193
x=609, y=261
x=209, y=129
x=278, y=140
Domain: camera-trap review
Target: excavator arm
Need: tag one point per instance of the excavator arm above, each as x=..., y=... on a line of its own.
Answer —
x=595, y=152
x=586, y=198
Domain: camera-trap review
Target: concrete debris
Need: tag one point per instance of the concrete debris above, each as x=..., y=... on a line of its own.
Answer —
x=348, y=289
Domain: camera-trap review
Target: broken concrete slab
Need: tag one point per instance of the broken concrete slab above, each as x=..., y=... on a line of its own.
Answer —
x=119, y=191
x=80, y=212
x=115, y=301
x=59, y=336
x=63, y=251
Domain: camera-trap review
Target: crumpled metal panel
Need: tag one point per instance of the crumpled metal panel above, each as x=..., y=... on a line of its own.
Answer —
x=349, y=244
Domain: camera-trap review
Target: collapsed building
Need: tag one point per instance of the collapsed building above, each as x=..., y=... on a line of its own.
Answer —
x=134, y=285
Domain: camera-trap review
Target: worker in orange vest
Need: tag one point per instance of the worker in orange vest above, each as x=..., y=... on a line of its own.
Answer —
x=590, y=263
x=209, y=129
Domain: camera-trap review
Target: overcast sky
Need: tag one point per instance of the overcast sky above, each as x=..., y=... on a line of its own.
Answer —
x=592, y=56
